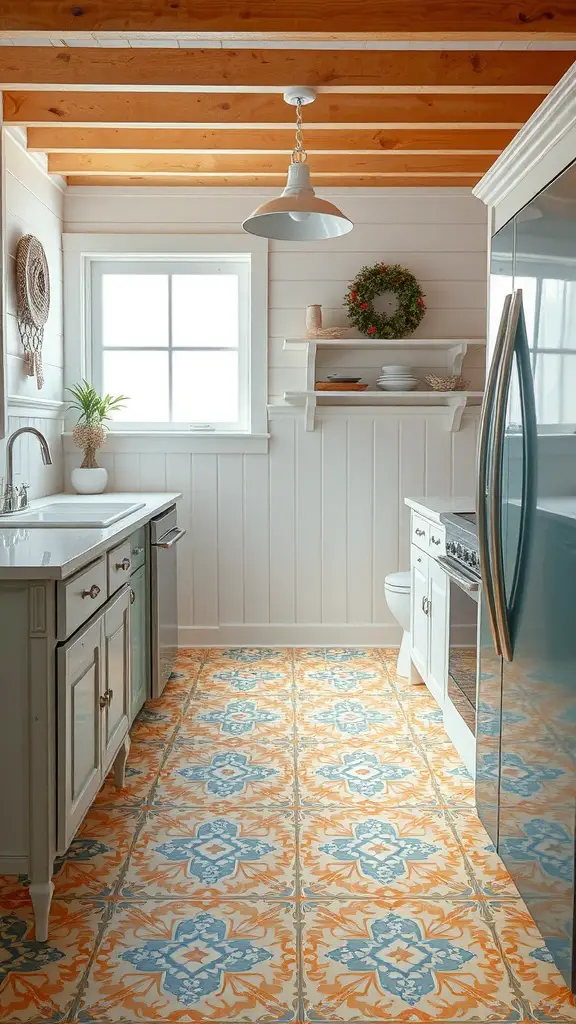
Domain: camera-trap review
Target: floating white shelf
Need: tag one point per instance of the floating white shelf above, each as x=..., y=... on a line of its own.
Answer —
x=455, y=348
x=453, y=401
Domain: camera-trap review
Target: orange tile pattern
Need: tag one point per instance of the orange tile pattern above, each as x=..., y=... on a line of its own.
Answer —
x=296, y=842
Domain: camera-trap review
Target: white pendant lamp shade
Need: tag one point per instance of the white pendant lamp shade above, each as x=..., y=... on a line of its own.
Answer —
x=298, y=215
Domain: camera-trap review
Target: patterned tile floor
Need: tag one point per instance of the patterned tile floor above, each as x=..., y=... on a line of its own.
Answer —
x=296, y=842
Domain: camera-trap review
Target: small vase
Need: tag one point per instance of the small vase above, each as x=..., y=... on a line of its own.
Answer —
x=89, y=481
x=313, y=319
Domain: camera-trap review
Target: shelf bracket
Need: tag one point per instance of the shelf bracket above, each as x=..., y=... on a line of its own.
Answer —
x=456, y=355
x=309, y=414
x=456, y=407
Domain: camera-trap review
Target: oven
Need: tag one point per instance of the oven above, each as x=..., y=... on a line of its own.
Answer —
x=464, y=604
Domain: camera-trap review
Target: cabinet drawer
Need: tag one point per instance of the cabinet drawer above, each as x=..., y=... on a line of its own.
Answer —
x=119, y=566
x=138, y=548
x=420, y=532
x=437, y=540
x=79, y=597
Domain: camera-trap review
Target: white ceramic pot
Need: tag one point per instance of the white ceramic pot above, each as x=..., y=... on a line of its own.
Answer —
x=89, y=481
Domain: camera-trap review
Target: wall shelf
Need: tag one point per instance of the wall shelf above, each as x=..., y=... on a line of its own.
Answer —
x=454, y=348
x=453, y=401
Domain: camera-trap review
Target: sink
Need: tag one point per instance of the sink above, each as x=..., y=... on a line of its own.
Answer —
x=90, y=514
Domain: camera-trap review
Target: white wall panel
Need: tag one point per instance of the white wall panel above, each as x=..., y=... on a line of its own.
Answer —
x=293, y=546
x=283, y=521
x=334, y=519
x=34, y=205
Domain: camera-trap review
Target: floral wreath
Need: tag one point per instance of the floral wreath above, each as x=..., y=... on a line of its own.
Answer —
x=372, y=281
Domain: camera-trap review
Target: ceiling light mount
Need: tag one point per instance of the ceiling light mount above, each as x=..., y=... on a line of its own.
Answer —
x=299, y=95
x=298, y=215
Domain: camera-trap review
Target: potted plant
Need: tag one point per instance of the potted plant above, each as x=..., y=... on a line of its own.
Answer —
x=90, y=434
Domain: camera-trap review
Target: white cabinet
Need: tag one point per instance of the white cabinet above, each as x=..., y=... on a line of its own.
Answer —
x=93, y=686
x=418, y=618
x=438, y=626
x=429, y=621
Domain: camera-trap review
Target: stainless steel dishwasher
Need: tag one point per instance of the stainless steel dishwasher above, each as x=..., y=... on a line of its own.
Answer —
x=164, y=536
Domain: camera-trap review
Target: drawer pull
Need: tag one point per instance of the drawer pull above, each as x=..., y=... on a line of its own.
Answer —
x=424, y=599
x=436, y=540
x=132, y=596
x=93, y=592
x=109, y=694
x=103, y=701
x=124, y=564
x=419, y=532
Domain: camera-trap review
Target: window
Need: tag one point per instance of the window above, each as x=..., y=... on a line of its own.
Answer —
x=174, y=337
x=176, y=323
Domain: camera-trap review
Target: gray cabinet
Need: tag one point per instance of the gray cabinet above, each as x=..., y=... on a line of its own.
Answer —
x=93, y=684
x=79, y=687
x=116, y=696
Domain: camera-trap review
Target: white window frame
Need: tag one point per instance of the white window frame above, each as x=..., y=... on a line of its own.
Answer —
x=82, y=252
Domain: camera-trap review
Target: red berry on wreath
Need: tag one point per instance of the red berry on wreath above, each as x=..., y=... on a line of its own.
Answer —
x=363, y=305
x=353, y=296
x=420, y=300
x=371, y=330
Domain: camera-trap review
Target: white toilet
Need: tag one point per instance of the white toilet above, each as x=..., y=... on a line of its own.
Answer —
x=397, y=591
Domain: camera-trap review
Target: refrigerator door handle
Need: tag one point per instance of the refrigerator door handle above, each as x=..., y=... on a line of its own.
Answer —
x=482, y=473
x=495, y=482
x=529, y=464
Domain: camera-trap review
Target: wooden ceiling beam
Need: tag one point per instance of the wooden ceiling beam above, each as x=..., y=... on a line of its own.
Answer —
x=169, y=164
x=370, y=19
x=187, y=110
x=277, y=181
x=46, y=68
x=186, y=140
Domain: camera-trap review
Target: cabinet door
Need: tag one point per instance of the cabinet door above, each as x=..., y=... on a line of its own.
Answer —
x=418, y=617
x=80, y=686
x=438, y=631
x=116, y=640
x=139, y=644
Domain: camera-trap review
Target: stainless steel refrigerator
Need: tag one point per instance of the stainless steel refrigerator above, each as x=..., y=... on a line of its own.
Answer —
x=526, y=724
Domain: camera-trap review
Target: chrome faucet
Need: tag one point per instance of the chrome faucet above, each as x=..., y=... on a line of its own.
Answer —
x=15, y=499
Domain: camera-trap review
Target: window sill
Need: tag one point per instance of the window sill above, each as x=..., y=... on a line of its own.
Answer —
x=179, y=441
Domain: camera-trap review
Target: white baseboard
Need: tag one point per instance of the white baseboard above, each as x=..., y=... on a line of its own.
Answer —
x=282, y=634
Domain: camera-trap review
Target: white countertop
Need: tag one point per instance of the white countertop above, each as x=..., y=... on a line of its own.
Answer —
x=433, y=508
x=56, y=552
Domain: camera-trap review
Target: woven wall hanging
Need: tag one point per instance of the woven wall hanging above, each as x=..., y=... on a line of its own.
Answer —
x=33, y=296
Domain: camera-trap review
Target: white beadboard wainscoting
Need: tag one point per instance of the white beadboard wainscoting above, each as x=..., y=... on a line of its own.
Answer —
x=292, y=547
x=28, y=465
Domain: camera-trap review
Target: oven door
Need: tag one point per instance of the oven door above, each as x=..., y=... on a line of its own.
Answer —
x=463, y=644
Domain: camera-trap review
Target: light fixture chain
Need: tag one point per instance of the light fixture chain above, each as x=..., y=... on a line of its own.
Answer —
x=299, y=154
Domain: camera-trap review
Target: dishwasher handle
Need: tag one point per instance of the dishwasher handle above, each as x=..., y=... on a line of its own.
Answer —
x=170, y=539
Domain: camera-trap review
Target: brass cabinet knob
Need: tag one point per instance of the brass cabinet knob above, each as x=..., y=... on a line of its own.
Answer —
x=92, y=592
x=124, y=564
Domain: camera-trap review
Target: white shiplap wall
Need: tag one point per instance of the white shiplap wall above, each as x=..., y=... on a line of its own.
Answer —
x=33, y=205
x=293, y=546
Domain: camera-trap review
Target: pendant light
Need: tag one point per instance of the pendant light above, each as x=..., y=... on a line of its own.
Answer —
x=298, y=215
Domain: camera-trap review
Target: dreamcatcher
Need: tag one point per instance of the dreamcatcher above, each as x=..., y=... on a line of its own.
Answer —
x=33, y=293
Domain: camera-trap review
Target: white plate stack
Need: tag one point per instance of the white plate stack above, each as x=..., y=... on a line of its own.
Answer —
x=397, y=378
